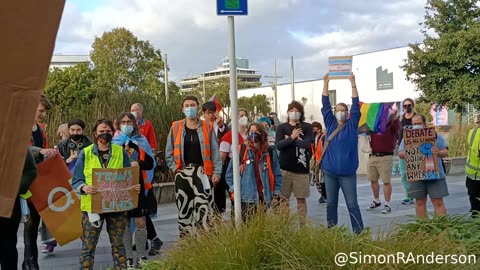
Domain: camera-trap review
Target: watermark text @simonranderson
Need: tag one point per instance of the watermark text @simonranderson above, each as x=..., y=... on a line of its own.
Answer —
x=342, y=259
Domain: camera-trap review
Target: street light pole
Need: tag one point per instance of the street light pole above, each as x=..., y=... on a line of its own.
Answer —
x=292, y=70
x=204, y=97
x=166, y=79
x=275, y=85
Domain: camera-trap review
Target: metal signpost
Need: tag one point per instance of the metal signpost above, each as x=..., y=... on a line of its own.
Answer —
x=232, y=8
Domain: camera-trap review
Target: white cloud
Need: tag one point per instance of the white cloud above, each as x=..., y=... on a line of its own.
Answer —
x=195, y=38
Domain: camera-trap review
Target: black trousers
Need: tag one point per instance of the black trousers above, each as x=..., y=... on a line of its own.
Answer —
x=473, y=187
x=30, y=235
x=151, y=233
x=8, y=239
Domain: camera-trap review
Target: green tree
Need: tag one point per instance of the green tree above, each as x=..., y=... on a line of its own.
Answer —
x=125, y=63
x=70, y=88
x=260, y=102
x=125, y=70
x=446, y=67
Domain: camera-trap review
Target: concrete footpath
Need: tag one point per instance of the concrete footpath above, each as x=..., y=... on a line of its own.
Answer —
x=66, y=257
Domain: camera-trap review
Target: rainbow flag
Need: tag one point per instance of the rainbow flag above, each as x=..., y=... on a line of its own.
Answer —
x=374, y=117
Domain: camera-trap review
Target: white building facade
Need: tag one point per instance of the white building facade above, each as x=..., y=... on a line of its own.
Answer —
x=62, y=61
x=379, y=78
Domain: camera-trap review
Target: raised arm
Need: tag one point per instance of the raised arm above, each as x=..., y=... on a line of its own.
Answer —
x=355, y=113
x=354, y=85
x=328, y=117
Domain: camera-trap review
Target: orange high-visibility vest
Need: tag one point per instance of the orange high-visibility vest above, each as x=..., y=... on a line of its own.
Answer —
x=177, y=133
x=317, y=152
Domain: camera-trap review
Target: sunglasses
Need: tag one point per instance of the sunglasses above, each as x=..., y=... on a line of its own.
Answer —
x=407, y=105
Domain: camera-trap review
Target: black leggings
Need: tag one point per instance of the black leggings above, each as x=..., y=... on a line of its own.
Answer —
x=151, y=233
x=8, y=242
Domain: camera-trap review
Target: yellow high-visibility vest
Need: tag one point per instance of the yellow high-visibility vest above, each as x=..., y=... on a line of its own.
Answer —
x=473, y=159
x=93, y=162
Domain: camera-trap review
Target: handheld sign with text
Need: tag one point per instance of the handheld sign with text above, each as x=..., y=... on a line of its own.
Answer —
x=339, y=67
x=55, y=200
x=115, y=188
x=422, y=164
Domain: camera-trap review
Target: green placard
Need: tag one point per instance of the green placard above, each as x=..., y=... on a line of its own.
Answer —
x=232, y=4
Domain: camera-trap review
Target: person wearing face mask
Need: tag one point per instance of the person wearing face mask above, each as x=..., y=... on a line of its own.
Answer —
x=436, y=188
x=101, y=154
x=146, y=129
x=71, y=147
x=192, y=153
x=406, y=123
x=340, y=156
x=139, y=152
x=144, y=125
x=317, y=147
x=261, y=178
x=380, y=161
x=293, y=140
x=226, y=155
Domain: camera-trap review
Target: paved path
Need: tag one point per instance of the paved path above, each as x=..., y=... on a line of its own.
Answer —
x=66, y=257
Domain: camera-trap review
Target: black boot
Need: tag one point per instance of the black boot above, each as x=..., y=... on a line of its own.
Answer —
x=30, y=260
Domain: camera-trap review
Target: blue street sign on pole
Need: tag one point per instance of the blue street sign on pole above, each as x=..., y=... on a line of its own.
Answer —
x=232, y=7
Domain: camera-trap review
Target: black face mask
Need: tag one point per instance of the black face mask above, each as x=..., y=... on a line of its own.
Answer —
x=105, y=137
x=76, y=137
x=409, y=109
x=255, y=137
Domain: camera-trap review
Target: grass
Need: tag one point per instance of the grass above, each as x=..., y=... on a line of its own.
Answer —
x=275, y=241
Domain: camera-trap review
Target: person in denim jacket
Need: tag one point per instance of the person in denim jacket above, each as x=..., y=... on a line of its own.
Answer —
x=261, y=178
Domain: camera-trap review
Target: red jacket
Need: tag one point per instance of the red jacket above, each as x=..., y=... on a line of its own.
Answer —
x=147, y=130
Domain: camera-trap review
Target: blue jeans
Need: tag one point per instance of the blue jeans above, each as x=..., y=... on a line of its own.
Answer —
x=402, y=165
x=348, y=184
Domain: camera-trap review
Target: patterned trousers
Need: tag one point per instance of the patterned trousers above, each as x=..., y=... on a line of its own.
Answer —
x=194, y=201
x=90, y=235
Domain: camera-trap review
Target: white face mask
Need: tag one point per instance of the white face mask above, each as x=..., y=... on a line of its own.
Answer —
x=341, y=116
x=294, y=116
x=417, y=126
x=135, y=114
x=243, y=121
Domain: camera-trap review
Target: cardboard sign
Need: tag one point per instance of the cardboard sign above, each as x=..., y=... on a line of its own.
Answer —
x=28, y=29
x=339, y=67
x=422, y=164
x=115, y=188
x=55, y=200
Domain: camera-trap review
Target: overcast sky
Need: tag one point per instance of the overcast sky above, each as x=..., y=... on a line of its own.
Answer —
x=196, y=39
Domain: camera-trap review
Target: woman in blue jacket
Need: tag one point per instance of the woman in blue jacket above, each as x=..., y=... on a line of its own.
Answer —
x=340, y=160
x=261, y=178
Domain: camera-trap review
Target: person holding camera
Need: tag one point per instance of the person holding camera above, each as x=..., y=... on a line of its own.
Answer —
x=293, y=140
